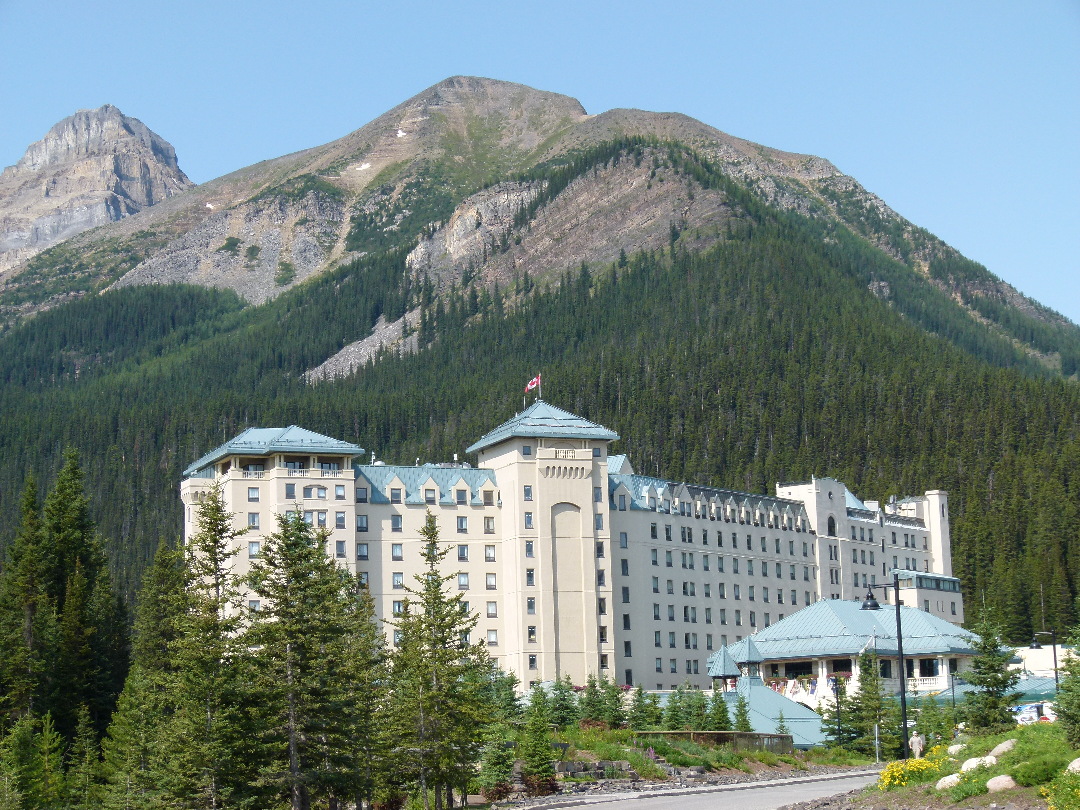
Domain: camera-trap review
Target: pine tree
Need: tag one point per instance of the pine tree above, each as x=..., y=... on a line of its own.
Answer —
x=536, y=750
x=868, y=708
x=82, y=785
x=200, y=761
x=314, y=640
x=674, y=717
x=591, y=701
x=1067, y=703
x=781, y=724
x=45, y=776
x=988, y=705
x=639, y=717
x=695, y=709
x=438, y=711
x=742, y=715
x=564, y=705
x=718, y=717
x=496, y=764
x=614, y=713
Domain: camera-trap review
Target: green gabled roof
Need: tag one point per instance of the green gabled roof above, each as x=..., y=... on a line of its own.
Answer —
x=414, y=479
x=722, y=665
x=541, y=420
x=835, y=627
x=264, y=441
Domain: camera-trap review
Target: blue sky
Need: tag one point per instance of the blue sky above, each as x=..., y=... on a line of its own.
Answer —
x=963, y=116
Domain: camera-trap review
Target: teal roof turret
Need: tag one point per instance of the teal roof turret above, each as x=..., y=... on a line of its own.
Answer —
x=541, y=420
x=264, y=441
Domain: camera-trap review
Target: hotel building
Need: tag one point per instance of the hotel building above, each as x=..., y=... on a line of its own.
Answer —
x=575, y=564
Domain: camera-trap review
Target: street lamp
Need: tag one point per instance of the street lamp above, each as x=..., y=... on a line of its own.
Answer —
x=870, y=603
x=836, y=694
x=1035, y=645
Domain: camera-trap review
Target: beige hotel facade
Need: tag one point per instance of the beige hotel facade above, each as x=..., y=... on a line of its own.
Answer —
x=575, y=564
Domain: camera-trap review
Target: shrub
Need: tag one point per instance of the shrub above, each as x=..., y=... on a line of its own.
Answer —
x=972, y=783
x=1063, y=793
x=1039, y=771
x=231, y=246
x=904, y=772
x=286, y=272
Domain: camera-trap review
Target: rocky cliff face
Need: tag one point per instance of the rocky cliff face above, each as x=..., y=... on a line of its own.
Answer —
x=92, y=168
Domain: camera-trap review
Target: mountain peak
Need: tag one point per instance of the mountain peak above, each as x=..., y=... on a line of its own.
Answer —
x=93, y=167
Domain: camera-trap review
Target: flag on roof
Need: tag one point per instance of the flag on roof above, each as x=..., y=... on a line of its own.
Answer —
x=533, y=383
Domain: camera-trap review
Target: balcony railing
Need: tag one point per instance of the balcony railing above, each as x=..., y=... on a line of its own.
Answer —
x=291, y=473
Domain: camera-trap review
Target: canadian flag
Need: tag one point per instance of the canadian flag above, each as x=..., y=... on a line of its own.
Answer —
x=533, y=383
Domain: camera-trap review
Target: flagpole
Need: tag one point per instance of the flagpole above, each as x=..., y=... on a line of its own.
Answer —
x=540, y=385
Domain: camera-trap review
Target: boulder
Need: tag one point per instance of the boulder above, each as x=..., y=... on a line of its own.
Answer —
x=977, y=762
x=956, y=749
x=946, y=782
x=1003, y=748
x=1000, y=783
x=1074, y=766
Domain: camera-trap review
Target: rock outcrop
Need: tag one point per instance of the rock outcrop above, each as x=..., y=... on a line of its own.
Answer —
x=94, y=167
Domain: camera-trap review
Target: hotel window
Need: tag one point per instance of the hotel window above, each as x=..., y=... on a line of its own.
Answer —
x=316, y=493
x=749, y=568
x=624, y=567
x=462, y=524
x=626, y=621
x=723, y=616
x=290, y=492
x=750, y=593
x=396, y=551
x=489, y=498
x=708, y=590
x=652, y=530
x=254, y=549
x=363, y=575
x=659, y=664
x=764, y=594
x=806, y=573
x=736, y=592
x=671, y=640
x=794, y=598
x=528, y=548
x=674, y=665
x=397, y=638
x=460, y=495
x=792, y=571
x=489, y=553
x=397, y=607
x=530, y=576
x=530, y=605
x=671, y=613
x=708, y=641
x=626, y=594
x=463, y=582
x=708, y=615
x=753, y=619
x=489, y=582
x=489, y=525
x=526, y=449
x=492, y=610
x=603, y=661
x=656, y=612
x=339, y=520
x=397, y=579
x=395, y=523
x=738, y=618
x=254, y=605
x=622, y=503
x=597, y=495
x=361, y=493
x=463, y=553
x=653, y=556
x=493, y=638
x=528, y=492
x=429, y=496
x=623, y=543
x=720, y=564
x=598, y=522
x=361, y=523
x=734, y=565
x=656, y=639
x=339, y=492
x=339, y=549
x=626, y=649
x=253, y=493
x=596, y=452
x=705, y=562
x=721, y=590
x=667, y=559
x=361, y=551
x=321, y=519
x=395, y=495
x=601, y=578
x=253, y=520
x=600, y=549
x=670, y=586
x=667, y=532
x=532, y=634
x=528, y=520
x=602, y=637
x=779, y=596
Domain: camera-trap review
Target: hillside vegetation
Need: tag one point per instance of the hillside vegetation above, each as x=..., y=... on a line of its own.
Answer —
x=766, y=352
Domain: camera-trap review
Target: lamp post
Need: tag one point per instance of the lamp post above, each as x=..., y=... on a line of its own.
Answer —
x=1035, y=645
x=836, y=694
x=870, y=603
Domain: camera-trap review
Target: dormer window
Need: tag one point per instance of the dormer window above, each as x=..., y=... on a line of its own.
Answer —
x=429, y=496
x=395, y=495
x=526, y=449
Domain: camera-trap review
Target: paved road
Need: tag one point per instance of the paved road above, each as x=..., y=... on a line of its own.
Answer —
x=747, y=796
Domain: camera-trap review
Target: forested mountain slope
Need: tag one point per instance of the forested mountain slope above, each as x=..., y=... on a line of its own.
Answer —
x=764, y=348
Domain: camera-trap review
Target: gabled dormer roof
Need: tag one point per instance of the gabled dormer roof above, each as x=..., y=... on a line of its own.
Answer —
x=266, y=441
x=542, y=420
x=722, y=665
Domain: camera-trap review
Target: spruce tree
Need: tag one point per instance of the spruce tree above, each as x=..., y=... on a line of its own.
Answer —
x=536, y=751
x=1067, y=703
x=988, y=704
x=564, y=705
x=695, y=709
x=742, y=715
x=307, y=659
x=718, y=718
x=439, y=710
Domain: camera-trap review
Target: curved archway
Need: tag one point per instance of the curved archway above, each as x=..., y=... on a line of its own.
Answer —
x=832, y=526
